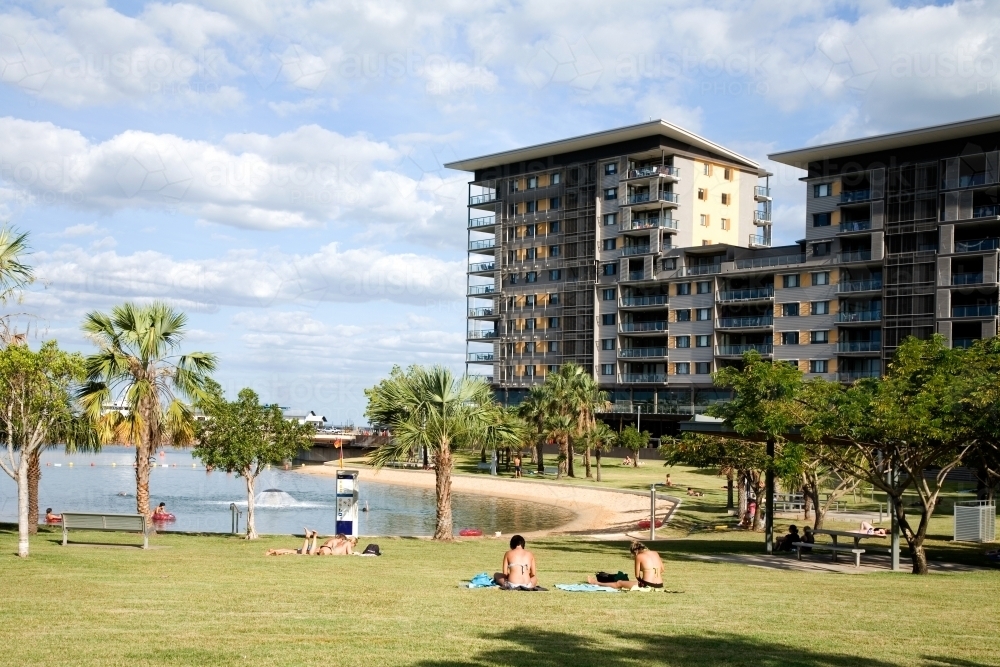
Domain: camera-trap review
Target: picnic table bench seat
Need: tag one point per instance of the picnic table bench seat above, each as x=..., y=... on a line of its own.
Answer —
x=117, y=523
x=799, y=546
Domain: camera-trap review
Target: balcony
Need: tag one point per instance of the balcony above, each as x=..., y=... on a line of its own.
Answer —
x=486, y=334
x=646, y=198
x=642, y=327
x=855, y=196
x=483, y=245
x=739, y=350
x=652, y=222
x=653, y=170
x=643, y=301
x=978, y=245
x=641, y=352
x=854, y=376
x=475, y=290
x=488, y=379
x=758, y=241
x=759, y=322
x=967, y=279
x=990, y=211
x=753, y=294
x=764, y=262
x=483, y=312
x=860, y=316
x=963, y=343
x=479, y=200
x=761, y=193
x=853, y=347
x=482, y=267
x=480, y=358
x=703, y=270
x=643, y=378
x=486, y=221
x=761, y=217
x=629, y=251
x=636, y=275
x=848, y=286
x=855, y=226
x=856, y=256
x=974, y=311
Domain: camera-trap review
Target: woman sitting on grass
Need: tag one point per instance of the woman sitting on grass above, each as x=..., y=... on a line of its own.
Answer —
x=338, y=545
x=648, y=570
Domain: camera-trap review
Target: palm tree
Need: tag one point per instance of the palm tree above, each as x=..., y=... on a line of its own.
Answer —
x=533, y=410
x=573, y=391
x=135, y=387
x=600, y=438
x=431, y=408
x=503, y=430
x=560, y=428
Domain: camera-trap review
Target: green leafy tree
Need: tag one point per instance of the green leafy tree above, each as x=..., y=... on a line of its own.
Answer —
x=36, y=395
x=600, y=438
x=634, y=440
x=244, y=437
x=137, y=386
x=559, y=428
x=431, y=408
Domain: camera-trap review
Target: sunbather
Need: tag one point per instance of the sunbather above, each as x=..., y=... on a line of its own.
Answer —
x=648, y=570
x=869, y=529
x=338, y=545
x=518, y=567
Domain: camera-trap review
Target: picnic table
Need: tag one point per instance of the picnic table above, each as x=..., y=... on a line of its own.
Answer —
x=835, y=548
x=856, y=536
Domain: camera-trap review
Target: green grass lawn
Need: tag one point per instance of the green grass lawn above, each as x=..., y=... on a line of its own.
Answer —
x=218, y=600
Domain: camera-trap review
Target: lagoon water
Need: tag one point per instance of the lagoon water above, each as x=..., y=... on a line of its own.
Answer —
x=287, y=501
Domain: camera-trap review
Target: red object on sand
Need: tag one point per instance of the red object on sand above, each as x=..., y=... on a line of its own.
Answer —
x=470, y=532
x=644, y=524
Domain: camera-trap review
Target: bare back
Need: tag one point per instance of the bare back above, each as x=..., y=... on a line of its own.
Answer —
x=519, y=566
x=649, y=567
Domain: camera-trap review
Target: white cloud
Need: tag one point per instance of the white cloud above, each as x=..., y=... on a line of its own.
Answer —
x=308, y=105
x=81, y=229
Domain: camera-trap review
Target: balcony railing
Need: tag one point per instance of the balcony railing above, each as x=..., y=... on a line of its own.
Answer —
x=484, y=244
x=485, y=221
x=645, y=198
x=475, y=200
x=851, y=196
x=482, y=266
x=647, y=378
x=966, y=278
x=703, y=270
x=856, y=226
x=860, y=316
x=482, y=312
x=761, y=191
x=636, y=275
x=963, y=343
x=859, y=346
x=859, y=286
x=974, y=311
x=854, y=376
x=745, y=322
x=762, y=262
x=759, y=241
x=640, y=327
x=753, y=294
x=761, y=216
x=477, y=357
x=653, y=170
x=739, y=350
x=482, y=289
x=641, y=352
x=977, y=245
x=628, y=251
x=856, y=256
x=636, y=301
x=652, y=222
x=481, y=335
x=990, y=211
x=488, y=379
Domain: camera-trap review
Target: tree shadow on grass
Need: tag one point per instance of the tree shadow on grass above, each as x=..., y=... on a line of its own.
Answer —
x=528, y=646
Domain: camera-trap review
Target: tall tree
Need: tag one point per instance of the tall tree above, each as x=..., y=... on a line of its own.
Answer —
x=137, y=386
x=15, y=275
x=560, y=428
x=430, y=407
x=533, y=410
x=36, y=395
x=244, y=437
x=633, y=440
x=600, y=438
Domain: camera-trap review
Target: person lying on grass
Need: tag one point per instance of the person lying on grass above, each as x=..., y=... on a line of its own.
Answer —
x=518, y=567
x=648, y=570
x=869, y=529
x=338, y=545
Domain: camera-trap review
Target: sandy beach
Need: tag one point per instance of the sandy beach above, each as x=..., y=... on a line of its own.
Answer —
x=604, y=513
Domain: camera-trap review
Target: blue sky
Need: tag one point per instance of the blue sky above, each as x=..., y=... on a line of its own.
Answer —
x=275, y=168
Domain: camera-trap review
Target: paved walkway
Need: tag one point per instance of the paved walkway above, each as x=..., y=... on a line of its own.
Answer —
x=822, y=563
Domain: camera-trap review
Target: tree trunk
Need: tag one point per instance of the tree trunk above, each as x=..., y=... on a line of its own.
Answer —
x=635, y=458
x=482, y=455
x=741, y=498
x=251, y=524
x=586, y=462
x=597, y=455
x=540, y=455
x=442, y=489
x=758, y=491
x=22, y=507
x=34, y=476
x=142, y=454
x=729, y=490
x=569, y=460
x=564, y=457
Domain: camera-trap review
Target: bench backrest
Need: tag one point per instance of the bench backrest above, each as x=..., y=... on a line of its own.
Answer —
x=123, y=522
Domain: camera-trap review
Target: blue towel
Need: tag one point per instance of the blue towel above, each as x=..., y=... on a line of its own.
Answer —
x=585, y=588
x=482, y=580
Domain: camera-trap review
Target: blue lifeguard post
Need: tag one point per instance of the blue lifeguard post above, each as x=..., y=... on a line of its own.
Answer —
x=347, y=502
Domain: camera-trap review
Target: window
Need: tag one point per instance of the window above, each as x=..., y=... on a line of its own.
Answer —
x=789, y=310
x=553, y=368
x=683, y=289
x=607, y=343
x=789, y=337
x=821, y=278
x=608, y=319
x=727, y=174
x=553, y=322
x=512, y=279
x=822, y=190
x=670, y=264
x=822, y=219
x=818, y=366
x=702, y=194
x=530, y=301
x=529, y=323
x=706, y=169
x=794, y=363
x=512, y=209
x=703, y=368
x=607, y=369
x=532, y=182
x=608, y=294
x=819, y=337
x=821, y=249
x=610, y=193
x=530, y=207
x=790, y=281
x=683, y=368
x=703, y=219
x=702, y=341
x=725, y=199
x=555, y=274
x=531, y=277
x=529, y=348
x=553, y=346
x=529, y=231
x=703, y=314
x=704, y=287
x=820, y=308
x=609, y=269
x=610, y=168
x=555, y=179
x=553, y=298
x=554, y=227
x=725, y=224
x=706, y=242
x=530, y=253
x=554, y=203
x=529, y=371
x=609, y=244
x=610, y=219
x=683, y=315
x=553, y=251
x=682, y=341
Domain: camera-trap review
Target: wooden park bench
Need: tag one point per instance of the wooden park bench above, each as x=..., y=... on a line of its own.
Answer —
x=118, y=523
x=799, y=546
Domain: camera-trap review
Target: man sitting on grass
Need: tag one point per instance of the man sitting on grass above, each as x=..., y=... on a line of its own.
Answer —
x=648, y=570
x=518, y=567
x=338, y=545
